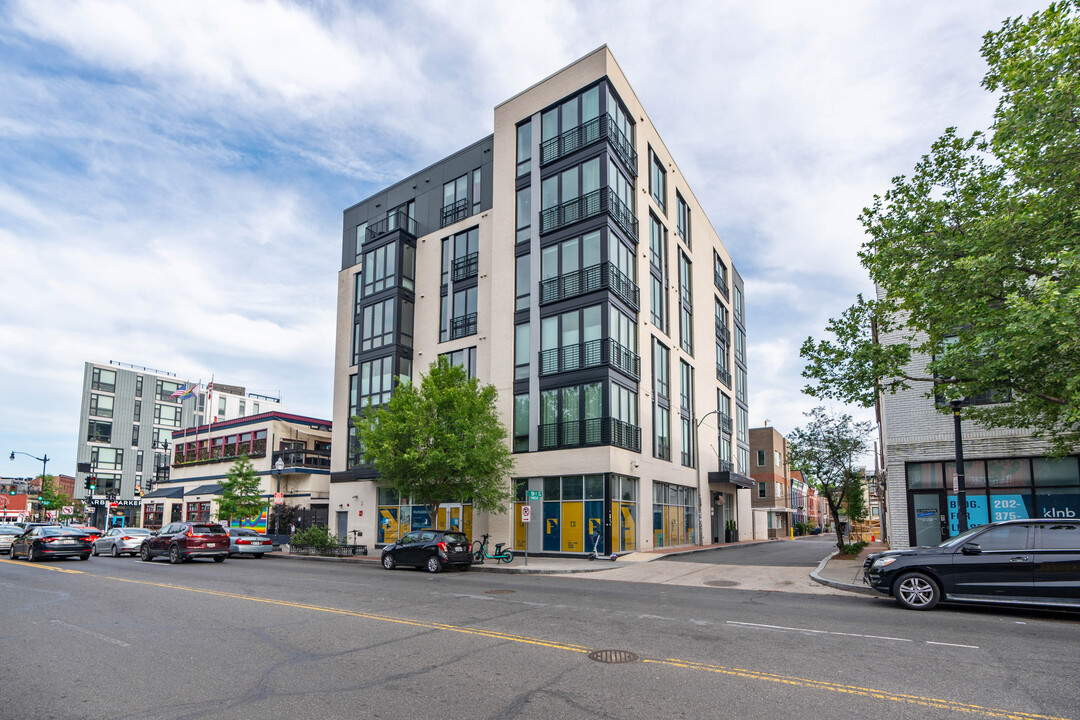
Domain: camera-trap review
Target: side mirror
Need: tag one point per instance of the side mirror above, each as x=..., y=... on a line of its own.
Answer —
x=154, y=532
x=971, y=549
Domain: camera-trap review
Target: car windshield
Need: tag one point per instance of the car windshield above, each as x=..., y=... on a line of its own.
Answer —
x=454, y=537
x=961, y=538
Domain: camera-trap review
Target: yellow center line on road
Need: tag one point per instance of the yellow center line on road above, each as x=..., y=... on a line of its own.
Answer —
x=934, y=703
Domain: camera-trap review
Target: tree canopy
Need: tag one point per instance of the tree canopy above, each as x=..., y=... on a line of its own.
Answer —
x=440, y=442
x=825, y=450
x=240, y=492
x=976, y=254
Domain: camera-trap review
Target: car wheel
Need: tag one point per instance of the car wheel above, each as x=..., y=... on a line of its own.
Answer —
x=174, y=555
x=144, y=553
x=388, y=561
x=115, y=552
x=84, y=556
x=93, y=550
x=258, y=555
x=30, y=554
x=219, y=558
x=916, y=591
x=434, y=564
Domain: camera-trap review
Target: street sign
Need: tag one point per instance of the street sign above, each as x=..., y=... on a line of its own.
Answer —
x=956, y=484
x=525, y=512
x=536, y=495
x=68, y=510
x=279, y=499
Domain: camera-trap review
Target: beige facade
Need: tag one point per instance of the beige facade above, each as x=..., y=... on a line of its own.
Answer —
x=669, y=494
x=203, y=456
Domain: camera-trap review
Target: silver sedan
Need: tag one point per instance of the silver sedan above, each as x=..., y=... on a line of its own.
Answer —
x=7, y=534
x=119, y=541
x=243, y=541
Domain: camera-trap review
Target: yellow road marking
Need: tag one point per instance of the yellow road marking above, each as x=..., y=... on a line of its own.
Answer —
x=43, y=567
x=935, y=703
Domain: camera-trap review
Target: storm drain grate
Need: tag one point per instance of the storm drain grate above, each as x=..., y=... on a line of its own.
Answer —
x=499, y=592
x=613, y=656
x=721, y=583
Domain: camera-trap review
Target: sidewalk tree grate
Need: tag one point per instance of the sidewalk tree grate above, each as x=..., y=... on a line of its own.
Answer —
x=499, y=592
x=613, y=656
x=721, y=583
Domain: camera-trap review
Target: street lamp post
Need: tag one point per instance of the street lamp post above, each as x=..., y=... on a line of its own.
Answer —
x=44, y=461
x=278, y=467
x=697, y=441
x=961, y=494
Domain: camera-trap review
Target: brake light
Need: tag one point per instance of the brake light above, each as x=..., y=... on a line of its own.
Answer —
x=189, y=533
x=125, y=538
x=243, y=542
x=47, y=540
x=442, y=547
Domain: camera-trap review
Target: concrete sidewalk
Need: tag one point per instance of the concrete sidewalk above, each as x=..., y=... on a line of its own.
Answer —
x=845, y=572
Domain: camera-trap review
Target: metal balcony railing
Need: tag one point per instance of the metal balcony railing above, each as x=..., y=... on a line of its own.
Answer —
x=587, y=206
x=394, y=221
x=721, y=285
x=587, y=280
x=599, y=128
x=723, y=333
x=723, y=376
x=593, y=431
x=726, y=423
x=465, y=267
x=308, y=459
x=462, y=326
x=455, y=211
x=593, y=353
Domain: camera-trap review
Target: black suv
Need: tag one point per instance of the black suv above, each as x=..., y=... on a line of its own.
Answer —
x=431, y=549
x=1021, y=562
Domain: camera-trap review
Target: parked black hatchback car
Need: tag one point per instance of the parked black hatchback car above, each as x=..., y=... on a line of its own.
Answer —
x=1021, y=562
x=430, y=549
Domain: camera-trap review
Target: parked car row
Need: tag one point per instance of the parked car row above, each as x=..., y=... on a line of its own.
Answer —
x=178, y=542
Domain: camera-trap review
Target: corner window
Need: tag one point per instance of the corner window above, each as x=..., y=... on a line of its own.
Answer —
x=657, y=180
x=524, y=148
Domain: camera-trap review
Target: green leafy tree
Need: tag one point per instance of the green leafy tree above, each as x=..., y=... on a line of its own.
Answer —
x=977, y=254
x=440, y=442
x=825, y=450
x=51, y=497
x=240, y=492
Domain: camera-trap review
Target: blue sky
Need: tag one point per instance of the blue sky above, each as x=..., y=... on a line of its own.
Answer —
x=172, y=175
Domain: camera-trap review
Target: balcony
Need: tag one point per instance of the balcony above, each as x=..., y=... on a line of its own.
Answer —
x=721, y=285
x=723, y=333
x=462, y=326
x=220, y=453
x=395, y=221
x=590, y=432
x=301, y=460
x=726, y=423
x=599, y=128
x=723, y=376
x=593, y=353
x=587, y=206
x=465, y=267
x=590, y=279
x=455, y=211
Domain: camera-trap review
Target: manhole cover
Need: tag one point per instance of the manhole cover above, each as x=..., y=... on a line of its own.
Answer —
x=721, y=583
x=613, y=656
x=499, y=592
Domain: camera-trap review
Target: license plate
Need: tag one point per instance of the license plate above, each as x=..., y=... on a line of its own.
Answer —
x=212, y=545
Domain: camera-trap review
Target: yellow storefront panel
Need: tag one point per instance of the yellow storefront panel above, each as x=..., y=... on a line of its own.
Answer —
x=573, y=534
x=520, y=529
x=466, y=521
x=629, y=526
x=390, y=526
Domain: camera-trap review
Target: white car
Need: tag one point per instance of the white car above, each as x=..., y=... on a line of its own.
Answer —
x=243, y=541
x=7, y=534
x=119, y=541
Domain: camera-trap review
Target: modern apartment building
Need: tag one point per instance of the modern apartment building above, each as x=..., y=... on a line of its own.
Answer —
x=565, y=260
x=203, y=455
x=771, y=471
x=1007, y=473
x=127, y=417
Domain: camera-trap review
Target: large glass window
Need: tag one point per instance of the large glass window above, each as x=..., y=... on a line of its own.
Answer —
x=101, y=405
x=524, y=214
x=166, y=389
x=102, y=379
x=377, y=322
x=686, y=330
x=567, y=115
x=460, y=255
x=658, y=303
x=661, y=371
x=682, y=218
x=379, y=268
x=167, y=415
x=463, y=358
x=107, y=458
x=524, y=148
x=569, y=185
x=521, y=422
x=569, y=256
x=523, y=282
x=376, y=381
x=657, y=180
x=674, y=514
x=571, y=340
x=522, y=339
x=661, y=432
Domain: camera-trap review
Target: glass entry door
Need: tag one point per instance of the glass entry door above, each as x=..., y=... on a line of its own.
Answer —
x=928, y=518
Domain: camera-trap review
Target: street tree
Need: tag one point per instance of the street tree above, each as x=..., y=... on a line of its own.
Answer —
x=441, y=441
x=825, y=450
x=51, y=496
x=241, y=498
x=976, y=255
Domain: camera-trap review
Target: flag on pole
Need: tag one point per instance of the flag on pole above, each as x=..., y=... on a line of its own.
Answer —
x=184, y=392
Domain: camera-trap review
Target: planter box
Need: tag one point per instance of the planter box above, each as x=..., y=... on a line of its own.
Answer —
x=331, y=551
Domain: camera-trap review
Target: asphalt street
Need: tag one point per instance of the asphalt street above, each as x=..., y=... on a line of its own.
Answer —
x=120, y=638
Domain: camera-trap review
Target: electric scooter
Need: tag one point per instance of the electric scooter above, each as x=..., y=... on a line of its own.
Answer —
x=595, y=554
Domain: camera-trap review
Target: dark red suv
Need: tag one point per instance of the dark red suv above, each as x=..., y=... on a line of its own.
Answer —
x=185, y=540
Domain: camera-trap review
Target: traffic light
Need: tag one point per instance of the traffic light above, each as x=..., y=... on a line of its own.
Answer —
x=11, y=490
x=89, y=484
x=138, y=490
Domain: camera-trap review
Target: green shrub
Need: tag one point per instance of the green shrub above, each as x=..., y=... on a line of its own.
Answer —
x=317, y=536
x=855, y=548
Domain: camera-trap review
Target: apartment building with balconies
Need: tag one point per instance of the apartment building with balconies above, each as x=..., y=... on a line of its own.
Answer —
x=565, y=260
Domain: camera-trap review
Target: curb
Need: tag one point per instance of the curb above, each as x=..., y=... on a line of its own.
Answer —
x=850, y=587
x=371, y=560
x=691, y=551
